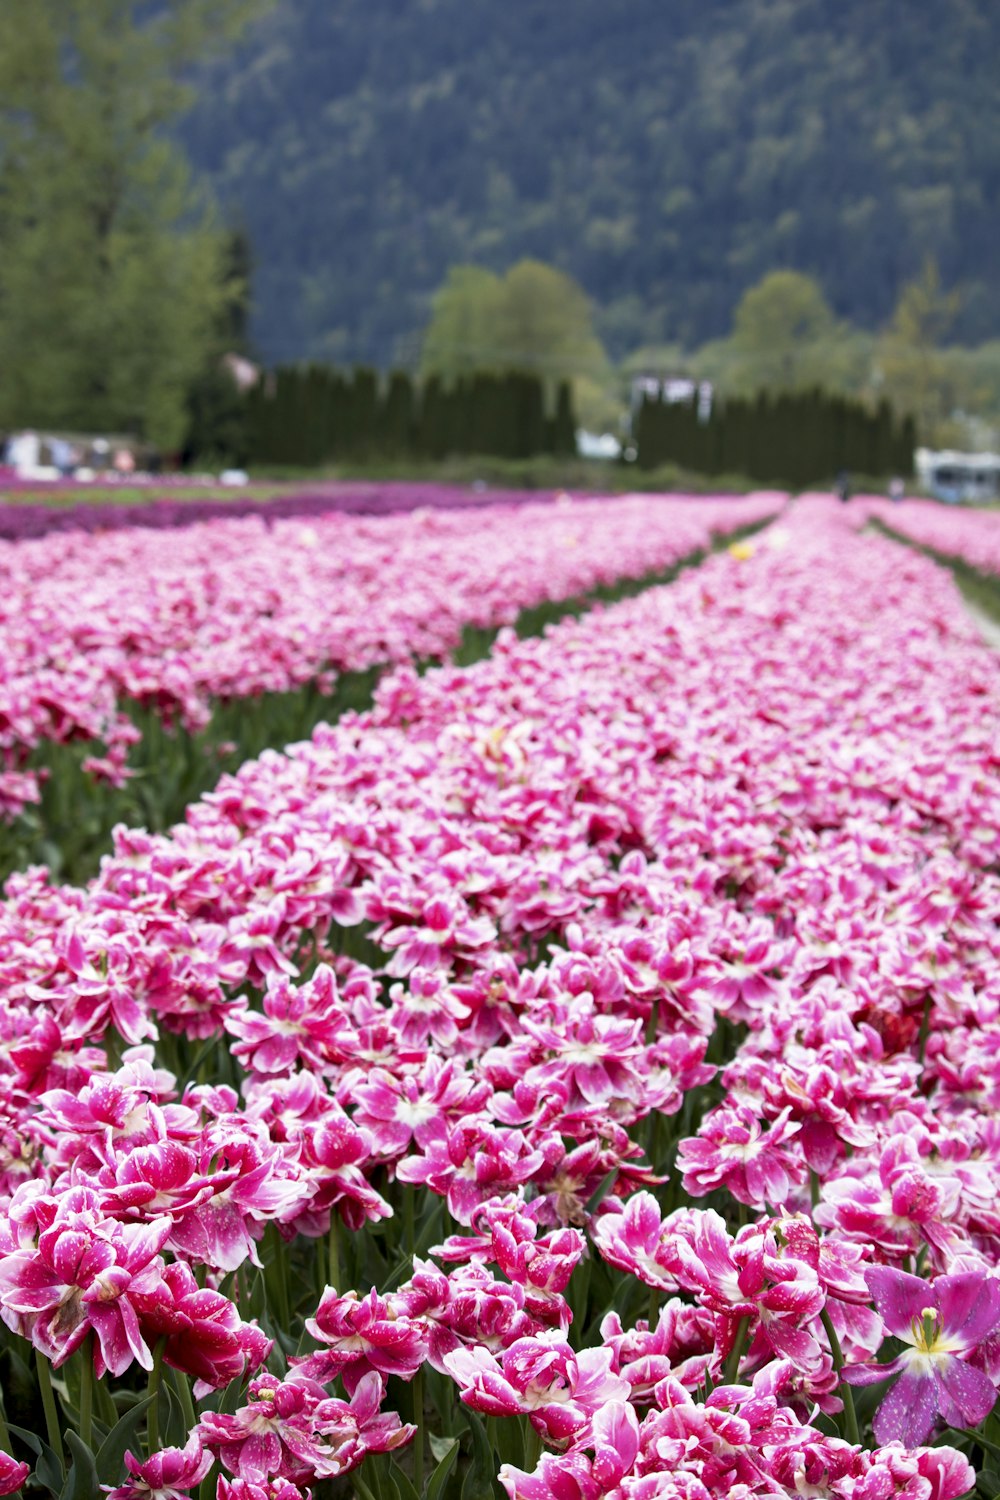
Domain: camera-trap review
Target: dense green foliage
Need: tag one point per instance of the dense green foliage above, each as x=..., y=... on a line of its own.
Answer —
x=314, y=416
x=785, y=338
x=113, y=275
x=793, y=440
x=666, y=155
x=535, y=318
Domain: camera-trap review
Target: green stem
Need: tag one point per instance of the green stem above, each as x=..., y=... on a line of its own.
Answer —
x=113, y=1048
x=105, y=1407
x=87, y=1392
x=813, y=1188
x=153, y=1390
x=847, y=1395
x=321, y=1277
x=417, y=1389
x=52, y=1427
x=732, y=1369
x=532, y=1445
x=279, y=1273
x=333, y=1252
x=409, y=1221
x=925, y=1026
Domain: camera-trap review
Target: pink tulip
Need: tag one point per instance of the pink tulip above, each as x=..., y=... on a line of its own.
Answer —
x=556, y=1389
x=12, y=1474
x=85, y=1274
x=731, y=1150
x=203, y=1333
x=170, y=1474
x=359, y=1335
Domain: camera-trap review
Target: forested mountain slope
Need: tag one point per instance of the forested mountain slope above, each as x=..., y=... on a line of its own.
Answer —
x=666, y=153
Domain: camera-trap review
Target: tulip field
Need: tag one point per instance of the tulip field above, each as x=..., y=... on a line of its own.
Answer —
x=231, y=609
x=574, y=1074
x=109, y=640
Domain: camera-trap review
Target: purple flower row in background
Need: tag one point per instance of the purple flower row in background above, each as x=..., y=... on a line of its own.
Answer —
x=164, y=511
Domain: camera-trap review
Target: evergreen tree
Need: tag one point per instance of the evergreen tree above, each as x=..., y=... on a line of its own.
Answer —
x=795, y=439
x=528, y=403
x=396, y=416
x=431, y=419
x=218, y=422
x=652, y=433
x=564, y=423
x=364, y=412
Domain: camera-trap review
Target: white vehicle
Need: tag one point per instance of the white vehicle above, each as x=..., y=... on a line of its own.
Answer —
x=597, y=444
x=24, y=454
x=957, y=477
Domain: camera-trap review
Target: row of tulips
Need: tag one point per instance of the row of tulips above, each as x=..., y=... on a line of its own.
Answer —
x=972, y=536
x=579, y=1074
x=230, y=609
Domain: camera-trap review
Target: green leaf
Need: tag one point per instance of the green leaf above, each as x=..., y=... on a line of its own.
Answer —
x=231, y=1396
x=111, y=1454
x=173, y=1426
x=32, y=1439
x=445, y=1450
x=603, y=1190
x=48, y=1470
x=17, y=1382
x=402, y=1481
x=984, y=1443
x=482, y=1471
x=439, y=1446
x=386, y=1486
x=81, y=1482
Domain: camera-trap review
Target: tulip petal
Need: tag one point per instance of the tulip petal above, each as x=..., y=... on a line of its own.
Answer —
x=908, y=1411
x=900, y=1298
x=972, y=1393
x=970, y=1305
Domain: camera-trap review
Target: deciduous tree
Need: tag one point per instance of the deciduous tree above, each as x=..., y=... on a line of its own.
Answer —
x=535, y=320
x=113, y=271
x=915, y=373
